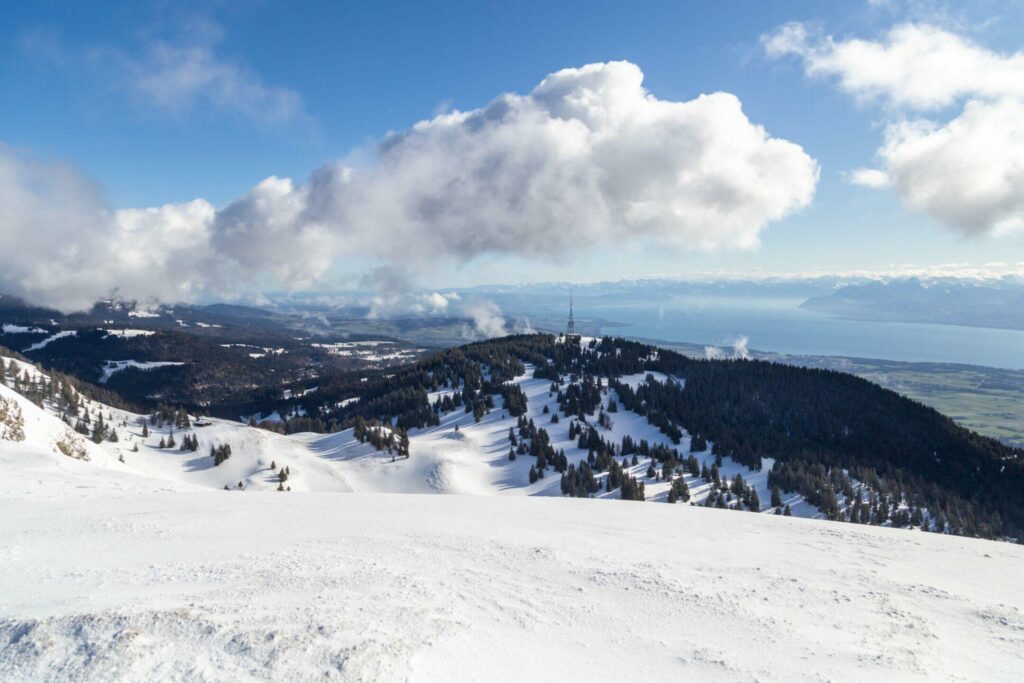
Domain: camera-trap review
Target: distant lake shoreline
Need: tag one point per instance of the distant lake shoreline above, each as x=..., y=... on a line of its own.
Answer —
x=781, y=326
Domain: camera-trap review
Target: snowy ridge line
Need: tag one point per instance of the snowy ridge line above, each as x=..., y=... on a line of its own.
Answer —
x=8, y=328
x=111, y=367
x=129, y=333
x=49, y=340
x=465, y=455
x=475, y=461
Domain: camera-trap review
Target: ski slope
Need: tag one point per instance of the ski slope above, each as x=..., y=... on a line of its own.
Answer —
x=114, y=576
x=458, y=456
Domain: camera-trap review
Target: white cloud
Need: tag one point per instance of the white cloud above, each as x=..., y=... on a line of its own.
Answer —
x=413, y=304
x=588, y=158
x=740, y=348
x=914, y=65
x=524, y=326
x=178, y=78
x=394, y=295
x=869, y=177
x=267, y=231
x=60, y=244
x=175, y=72
x=713, y=353
x=487, y=320
x=966, y=173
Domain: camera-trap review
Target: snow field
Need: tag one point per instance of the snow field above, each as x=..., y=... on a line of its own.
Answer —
x=108, y=579
x=146, y=570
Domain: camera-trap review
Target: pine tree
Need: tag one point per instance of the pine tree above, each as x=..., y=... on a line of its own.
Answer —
x=678, y=491
x=403, y=443
x=99, y=432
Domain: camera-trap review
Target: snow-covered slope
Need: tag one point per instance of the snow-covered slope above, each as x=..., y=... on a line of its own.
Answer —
x=107, y=578
x=129, y=562
x=460, y=455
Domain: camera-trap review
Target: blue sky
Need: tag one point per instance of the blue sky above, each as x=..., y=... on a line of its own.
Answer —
x=332, y=79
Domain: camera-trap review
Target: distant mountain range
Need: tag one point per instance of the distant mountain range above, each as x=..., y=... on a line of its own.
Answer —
x=977, y=303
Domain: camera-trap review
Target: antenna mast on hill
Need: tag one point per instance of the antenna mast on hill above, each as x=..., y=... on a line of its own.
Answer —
x=571, y=327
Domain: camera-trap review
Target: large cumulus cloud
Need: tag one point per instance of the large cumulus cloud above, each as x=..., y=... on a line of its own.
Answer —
x=587, y=158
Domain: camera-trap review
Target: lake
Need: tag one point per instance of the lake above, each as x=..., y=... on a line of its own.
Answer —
x=781, y=326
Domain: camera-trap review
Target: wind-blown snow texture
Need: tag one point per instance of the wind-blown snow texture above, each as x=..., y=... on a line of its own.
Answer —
x=109, y=577
x=147, y=570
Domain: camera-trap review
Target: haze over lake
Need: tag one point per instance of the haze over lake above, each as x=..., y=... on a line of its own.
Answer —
x=780, y=325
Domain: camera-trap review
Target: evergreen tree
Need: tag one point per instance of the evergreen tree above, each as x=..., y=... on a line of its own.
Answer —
x=678, y=491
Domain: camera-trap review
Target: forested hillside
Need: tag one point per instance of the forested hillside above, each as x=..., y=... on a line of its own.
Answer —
x=849, y=448
x=823, y=429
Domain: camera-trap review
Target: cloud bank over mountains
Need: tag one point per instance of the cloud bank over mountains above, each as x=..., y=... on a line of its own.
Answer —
x=966, y=172
x=587, y=158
